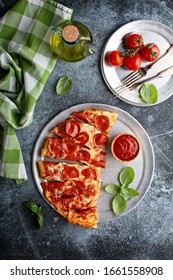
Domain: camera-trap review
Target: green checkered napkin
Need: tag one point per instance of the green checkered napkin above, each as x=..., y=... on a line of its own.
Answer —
x=26, y=62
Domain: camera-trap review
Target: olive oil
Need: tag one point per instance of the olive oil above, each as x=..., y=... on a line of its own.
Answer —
x=72, y=41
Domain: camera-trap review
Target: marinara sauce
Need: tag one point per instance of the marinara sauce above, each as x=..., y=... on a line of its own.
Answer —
x=125, y=147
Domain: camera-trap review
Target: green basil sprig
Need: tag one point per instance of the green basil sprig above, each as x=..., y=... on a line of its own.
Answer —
x=126, y=177
x=37, y=210
x=148, y=93
x=64, y=85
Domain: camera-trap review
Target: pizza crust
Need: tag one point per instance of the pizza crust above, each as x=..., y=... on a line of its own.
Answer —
x=41, y=169
x=44, y=150
x=87, y=218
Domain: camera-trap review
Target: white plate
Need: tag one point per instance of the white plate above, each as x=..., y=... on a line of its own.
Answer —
x=151, y=31
x=143, y=164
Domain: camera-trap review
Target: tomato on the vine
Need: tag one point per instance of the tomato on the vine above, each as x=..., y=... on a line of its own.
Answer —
x=150, y=52
x=115, y=58
x=132, y=61
x=134, y=41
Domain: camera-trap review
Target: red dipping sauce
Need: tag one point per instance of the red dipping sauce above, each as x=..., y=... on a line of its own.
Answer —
x=125, y=147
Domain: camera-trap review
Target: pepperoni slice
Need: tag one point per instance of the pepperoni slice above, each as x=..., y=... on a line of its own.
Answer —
x=73, y=191
x=72, y=203
x=90, y=117
x=78, y=183
x=85, y=212
x=52, y=185
x=85, y=116
x=100, y=161
x=102, y=122
x=49, y=169
x=90, y=190
x=69, y=147
x=75, y=188
x=70, y=172
x=100, y=140
x=55, y=188
x=83, y=156
x=72, y=128
x=79, y=115
x=83, y=138
x=102, y=156
x=55, y=148
x=89, y=172
x=61, y=130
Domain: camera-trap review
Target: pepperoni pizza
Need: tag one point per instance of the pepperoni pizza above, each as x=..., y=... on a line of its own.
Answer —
x=69, y=150
x=68, y=192
x=101, y=119
x=72, y=195
x=63, y=171
x=82, y=133
x=74, y=188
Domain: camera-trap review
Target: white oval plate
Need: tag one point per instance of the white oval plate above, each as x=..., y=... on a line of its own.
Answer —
x=143, y=165
x=151, y=31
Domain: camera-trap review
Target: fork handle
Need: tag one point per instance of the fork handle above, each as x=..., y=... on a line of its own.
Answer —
x=147, y=80
x=169, y=51
x=162, y=74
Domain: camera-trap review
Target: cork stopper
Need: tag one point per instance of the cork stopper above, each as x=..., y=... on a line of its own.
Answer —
x=70, y=33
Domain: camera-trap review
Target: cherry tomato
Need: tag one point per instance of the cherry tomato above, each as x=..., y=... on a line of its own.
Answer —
x=134, y=41
x=150, y=52
x=132, y=61
x=115, y=58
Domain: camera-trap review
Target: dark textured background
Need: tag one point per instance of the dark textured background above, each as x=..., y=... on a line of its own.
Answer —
x=147, y=231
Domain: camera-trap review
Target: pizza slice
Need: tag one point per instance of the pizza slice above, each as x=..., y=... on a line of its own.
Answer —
x=86, y=218
x=63, y=171
x=101, y=119
x=66, y=198
x=79, y=202
x=69, y=150
x=82, y=133
x=72, y=188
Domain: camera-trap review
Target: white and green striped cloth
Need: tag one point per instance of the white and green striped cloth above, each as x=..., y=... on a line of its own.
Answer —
x=26, y=62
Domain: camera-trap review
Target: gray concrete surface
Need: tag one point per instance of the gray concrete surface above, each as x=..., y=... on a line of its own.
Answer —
x=147, y=231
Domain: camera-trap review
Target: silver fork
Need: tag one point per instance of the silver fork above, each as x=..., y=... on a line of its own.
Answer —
x=141, y=72
x=162, y=74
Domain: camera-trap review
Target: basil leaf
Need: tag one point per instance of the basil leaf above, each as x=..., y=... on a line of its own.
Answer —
x=129, y=192
x=64, y=85
x=148, y=93
x=40, y=219
x=126, y=176
x=113, y=189
x=37, y=210
x=119, y=204
x=32, y=206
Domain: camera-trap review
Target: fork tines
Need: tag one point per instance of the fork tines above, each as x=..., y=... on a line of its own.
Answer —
x=132, y=77
x=122, y=89
x=128, y=81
